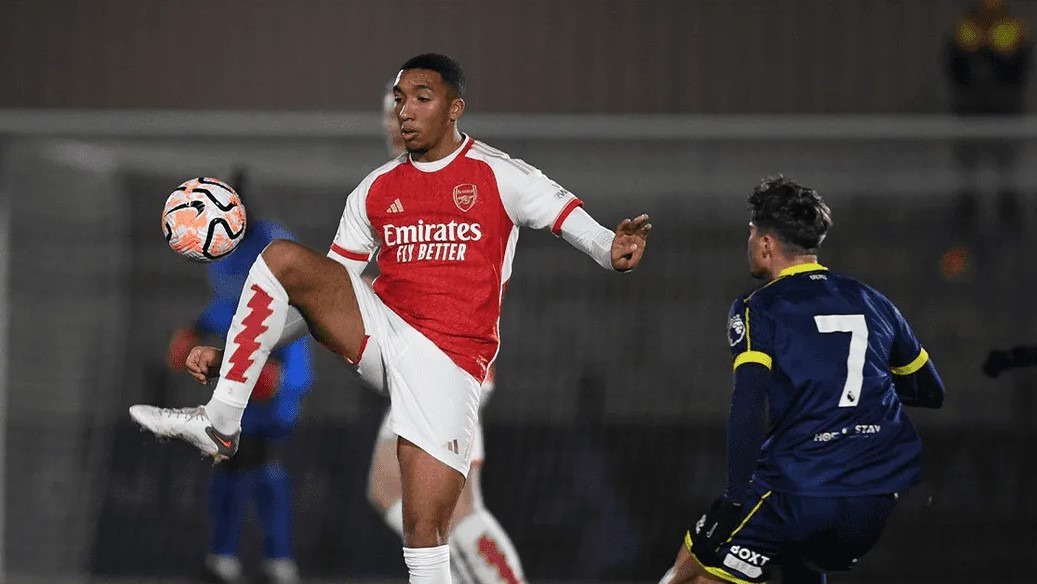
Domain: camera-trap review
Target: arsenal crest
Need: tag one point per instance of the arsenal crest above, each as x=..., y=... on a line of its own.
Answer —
x=464, y=196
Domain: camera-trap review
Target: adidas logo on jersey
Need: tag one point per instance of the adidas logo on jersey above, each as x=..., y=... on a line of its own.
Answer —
x=396, y=207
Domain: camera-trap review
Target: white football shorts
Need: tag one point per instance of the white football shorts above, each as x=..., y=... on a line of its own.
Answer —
x=435, y=403
x=385, y=432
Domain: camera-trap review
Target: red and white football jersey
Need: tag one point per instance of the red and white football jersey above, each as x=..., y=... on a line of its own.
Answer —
x=445, y=235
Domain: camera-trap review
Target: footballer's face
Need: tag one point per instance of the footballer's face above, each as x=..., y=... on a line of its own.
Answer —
x=758, y=250
x=427, y=113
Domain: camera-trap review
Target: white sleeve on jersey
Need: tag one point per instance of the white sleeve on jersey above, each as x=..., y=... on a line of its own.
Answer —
x=533, y=200
x=589, y=236
x=530, y=198
x=355, y=239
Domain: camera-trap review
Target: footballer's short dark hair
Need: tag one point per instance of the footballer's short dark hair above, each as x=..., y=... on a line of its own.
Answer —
x=795, y=214
x=449, y=69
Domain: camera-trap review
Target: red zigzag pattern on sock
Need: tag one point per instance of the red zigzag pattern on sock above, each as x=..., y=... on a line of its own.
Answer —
x=241, y=359
x=496, y=558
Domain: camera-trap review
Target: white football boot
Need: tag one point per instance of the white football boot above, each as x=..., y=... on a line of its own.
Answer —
x=191, y=425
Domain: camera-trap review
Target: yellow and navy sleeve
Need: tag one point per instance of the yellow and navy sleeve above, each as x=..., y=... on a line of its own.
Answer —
x=750, y=332
x=916, y=380
x=906, y=355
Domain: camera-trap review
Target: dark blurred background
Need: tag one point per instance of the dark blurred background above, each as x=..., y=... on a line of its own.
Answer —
x=571, y=56
x=605, y=438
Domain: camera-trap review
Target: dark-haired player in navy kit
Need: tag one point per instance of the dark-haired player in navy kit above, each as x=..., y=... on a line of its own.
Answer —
x=834, y=362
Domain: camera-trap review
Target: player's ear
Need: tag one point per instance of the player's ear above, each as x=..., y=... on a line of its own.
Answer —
x=456, y=109
x=766, y=245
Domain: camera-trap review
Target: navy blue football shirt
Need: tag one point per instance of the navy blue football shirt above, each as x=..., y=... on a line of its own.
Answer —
x=833, y=345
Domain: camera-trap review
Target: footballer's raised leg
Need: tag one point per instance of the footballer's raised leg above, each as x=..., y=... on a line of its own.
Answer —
x=286, y=273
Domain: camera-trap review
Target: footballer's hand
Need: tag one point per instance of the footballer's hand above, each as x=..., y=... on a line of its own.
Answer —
x=629, y=243
x=716, y=526
x=204, y=363
x=996, y=362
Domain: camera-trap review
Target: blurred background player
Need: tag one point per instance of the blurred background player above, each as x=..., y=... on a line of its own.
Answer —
x=1022, y=400
x=988, y=66
x=833, y=361
x=998, y=361
x=480, y=550
x=256, y=473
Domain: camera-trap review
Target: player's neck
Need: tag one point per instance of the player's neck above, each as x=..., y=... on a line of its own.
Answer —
x=785, y=263
x=445, y=147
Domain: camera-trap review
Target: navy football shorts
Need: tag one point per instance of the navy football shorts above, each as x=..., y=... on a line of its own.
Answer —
x=827, y=534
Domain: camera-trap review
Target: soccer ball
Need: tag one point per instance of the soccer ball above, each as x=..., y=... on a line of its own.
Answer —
x=204, y=219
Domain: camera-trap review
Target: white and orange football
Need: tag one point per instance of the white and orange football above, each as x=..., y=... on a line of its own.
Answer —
x=204, y=219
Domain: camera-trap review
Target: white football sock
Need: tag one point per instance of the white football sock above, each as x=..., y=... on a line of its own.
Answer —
x=393, y=517
x=428, y=565
x=255, y=328
x=486, y=550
